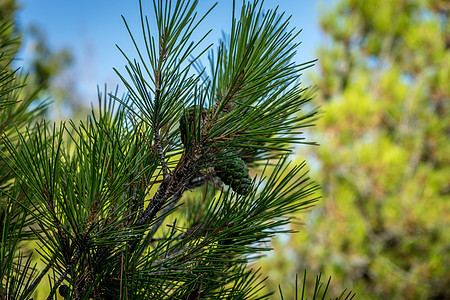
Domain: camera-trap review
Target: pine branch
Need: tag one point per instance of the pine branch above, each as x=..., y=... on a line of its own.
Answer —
x=161, y=153
x=163, y=49
x=97, y=187
x=173, y=202
x=68, y=269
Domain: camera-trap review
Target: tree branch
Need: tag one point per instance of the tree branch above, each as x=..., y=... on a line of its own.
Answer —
x=161, y=154
x=165, y=211
x=63, y=276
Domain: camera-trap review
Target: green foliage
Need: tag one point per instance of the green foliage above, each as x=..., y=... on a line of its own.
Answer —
x=9, y=36
x=382, y=230
x=124, y=205
x=16, y=113
x=319, y=292
x=45, y=63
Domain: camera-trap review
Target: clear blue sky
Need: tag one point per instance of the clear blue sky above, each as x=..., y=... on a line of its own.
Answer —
x=92, y=28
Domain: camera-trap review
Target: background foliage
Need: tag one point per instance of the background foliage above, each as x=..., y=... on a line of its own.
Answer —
x=383, y=164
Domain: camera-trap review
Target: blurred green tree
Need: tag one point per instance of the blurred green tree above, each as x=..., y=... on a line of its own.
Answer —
x=9, y=36
x=47, y=76
x=18, y=108
x=23, y=101
x=384, y=160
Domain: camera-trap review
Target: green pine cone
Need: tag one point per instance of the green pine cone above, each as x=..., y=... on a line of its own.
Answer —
x=232, y=171
x=64, y=291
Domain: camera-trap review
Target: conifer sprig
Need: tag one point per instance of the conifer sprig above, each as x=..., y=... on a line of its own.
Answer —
x=105, y=196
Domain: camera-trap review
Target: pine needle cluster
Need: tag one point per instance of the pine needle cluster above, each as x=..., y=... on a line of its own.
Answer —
x=132, y=202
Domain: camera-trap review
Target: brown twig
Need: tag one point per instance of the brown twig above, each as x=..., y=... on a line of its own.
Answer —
x=63, y=276
x=158, y=74
x=161, y=154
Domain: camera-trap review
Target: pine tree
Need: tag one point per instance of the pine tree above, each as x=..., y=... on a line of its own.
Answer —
x=45, y=65
x=134, y=202
x=383, y=162
x=16, y=114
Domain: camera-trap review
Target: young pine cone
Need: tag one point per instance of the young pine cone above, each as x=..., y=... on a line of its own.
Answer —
x=232, y=171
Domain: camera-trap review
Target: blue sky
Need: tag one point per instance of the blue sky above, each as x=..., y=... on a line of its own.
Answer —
x=92, y=28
